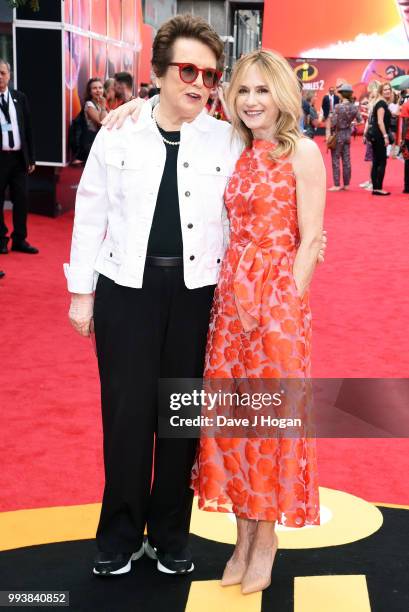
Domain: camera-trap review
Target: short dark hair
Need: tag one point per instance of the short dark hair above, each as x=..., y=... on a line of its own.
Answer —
x=88, y=95
x=184, y=26
x=124, y=77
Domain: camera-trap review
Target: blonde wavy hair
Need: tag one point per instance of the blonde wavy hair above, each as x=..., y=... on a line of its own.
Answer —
x=382, y=87
x=377, y=92
x=285, y=91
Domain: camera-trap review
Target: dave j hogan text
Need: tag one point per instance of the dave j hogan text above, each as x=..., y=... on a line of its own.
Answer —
x=223, y=421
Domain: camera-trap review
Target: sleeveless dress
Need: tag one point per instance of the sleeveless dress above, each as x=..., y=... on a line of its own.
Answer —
x=259, y=328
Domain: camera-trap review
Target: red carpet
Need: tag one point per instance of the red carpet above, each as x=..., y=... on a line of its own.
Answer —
x=50, y=431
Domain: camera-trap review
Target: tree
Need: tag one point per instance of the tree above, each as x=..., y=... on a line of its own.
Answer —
x=34, y=4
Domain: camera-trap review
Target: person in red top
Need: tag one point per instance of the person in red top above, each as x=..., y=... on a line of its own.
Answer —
x=404, y=114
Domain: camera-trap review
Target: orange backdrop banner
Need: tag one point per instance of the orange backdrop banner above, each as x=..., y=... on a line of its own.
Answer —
x=348, y=29
x=319, y=74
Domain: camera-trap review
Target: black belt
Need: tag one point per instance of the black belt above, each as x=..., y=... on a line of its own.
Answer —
x=153, y=260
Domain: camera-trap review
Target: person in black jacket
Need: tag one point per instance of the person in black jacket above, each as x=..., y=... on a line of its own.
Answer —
x=380, y=137
x=16, y=161
x=329, y=102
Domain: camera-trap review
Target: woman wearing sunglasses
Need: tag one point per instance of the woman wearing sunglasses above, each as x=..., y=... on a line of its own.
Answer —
x=148, y=239
x=165, y=179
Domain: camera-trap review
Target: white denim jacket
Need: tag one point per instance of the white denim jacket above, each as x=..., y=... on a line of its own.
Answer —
x=117, y=195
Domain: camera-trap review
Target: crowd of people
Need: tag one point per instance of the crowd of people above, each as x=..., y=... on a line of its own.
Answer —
x=340, y=114
x=383, y=114
x=17, y=154
x=100, y=98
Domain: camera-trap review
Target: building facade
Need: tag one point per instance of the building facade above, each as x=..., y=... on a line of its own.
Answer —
x=155, y=12
x=238, y=23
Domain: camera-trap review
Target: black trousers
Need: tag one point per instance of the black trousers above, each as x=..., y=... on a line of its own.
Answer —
x=142, y=335
x=13, y=173
x=379, y=163
x=406, y=187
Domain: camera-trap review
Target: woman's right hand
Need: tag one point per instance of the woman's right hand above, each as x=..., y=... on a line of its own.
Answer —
x=81, y=312
x=102, y=102
x=117, y=117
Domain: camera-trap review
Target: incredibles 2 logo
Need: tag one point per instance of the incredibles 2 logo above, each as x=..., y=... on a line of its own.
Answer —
x=307, y=73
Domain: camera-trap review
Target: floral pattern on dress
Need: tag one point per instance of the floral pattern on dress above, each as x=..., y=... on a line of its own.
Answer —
x=259, y=328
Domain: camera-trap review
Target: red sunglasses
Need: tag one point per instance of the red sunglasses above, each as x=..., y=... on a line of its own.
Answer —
x=188, y=73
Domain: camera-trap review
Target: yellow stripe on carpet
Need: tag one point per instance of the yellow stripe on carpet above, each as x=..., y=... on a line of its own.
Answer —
x=345, y=519
x=334, y=593
x=46, y=525
x=209, y=595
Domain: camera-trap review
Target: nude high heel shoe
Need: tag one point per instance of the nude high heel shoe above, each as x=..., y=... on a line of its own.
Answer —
x=237, y=564
x=234, y=572
x=258, y=573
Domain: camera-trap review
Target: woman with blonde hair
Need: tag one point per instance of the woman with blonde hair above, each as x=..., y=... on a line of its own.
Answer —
x=378, y=132
x=372, y=89
x=261, y=321
x=109, y=94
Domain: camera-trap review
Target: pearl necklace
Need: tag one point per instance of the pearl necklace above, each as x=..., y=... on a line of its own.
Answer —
x=165, y=140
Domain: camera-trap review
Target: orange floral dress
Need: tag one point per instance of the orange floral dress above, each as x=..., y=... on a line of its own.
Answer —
x=259, y=328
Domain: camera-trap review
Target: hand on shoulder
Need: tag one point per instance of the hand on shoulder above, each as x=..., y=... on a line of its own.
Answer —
x=116, y=118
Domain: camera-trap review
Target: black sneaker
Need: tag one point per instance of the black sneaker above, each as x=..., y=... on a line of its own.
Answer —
x=111, y=564
x=170, y=563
